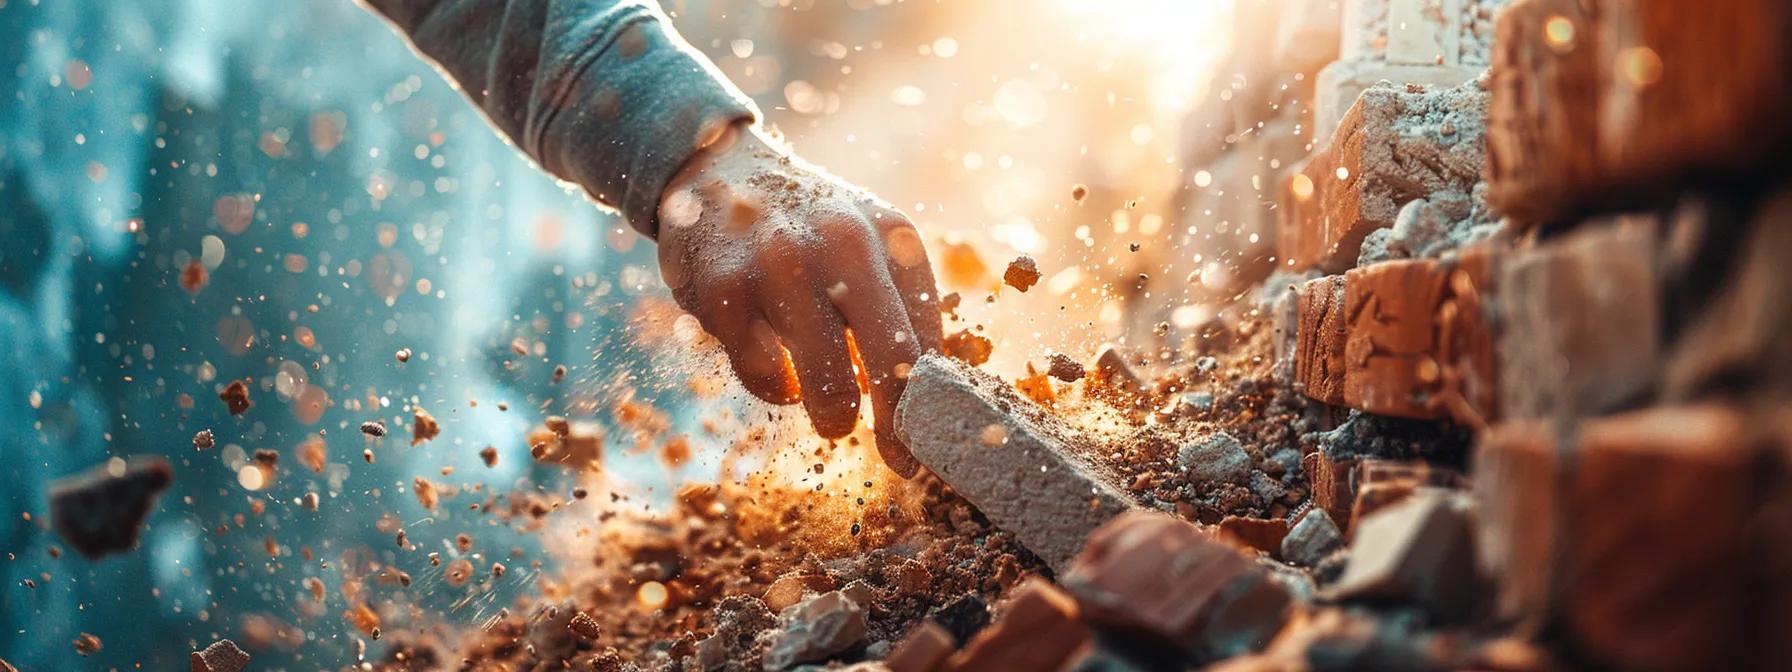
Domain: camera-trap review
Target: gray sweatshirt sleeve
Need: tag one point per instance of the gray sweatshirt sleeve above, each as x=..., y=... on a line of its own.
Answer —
x=603, y=93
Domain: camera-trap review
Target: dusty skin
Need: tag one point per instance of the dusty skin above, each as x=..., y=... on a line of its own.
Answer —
x=798, y=275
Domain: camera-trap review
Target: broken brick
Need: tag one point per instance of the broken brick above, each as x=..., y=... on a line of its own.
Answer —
x=1319, y=340
x=1338, y=86
x=1263, y=534
x=222, y=656
x=1031, y=483
x=1157, y=576
x=1391, y=147
x=1022, y=273
x=924, y=649
x=1420, y=551
x=101, y=511
x=1516, y=473
x=1039, y=630
x=1329, y=481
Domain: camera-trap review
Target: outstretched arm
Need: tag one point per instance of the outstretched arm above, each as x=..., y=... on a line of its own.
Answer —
x=789, y=267
x=602, y=93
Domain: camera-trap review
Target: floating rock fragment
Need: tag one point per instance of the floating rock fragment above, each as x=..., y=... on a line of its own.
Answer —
x=102, y=510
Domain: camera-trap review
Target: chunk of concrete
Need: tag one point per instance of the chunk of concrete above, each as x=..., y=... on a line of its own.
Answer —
x=1018, y=464
x=1419, y=551
x=816, y=629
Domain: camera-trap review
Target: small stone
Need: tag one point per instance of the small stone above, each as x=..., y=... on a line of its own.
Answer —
x=374, y=428
x=1022, y=273
x=1206, y=365
x=222, y=656
x=1219, y=458
x=489, y=455
x=236, y=397
x=203, y=440
x=403, y=355
x=1079, y=192
x=1311, y=539
x=423, y=427
x=584, y=626
x=1066, y=369
x=1200, y=401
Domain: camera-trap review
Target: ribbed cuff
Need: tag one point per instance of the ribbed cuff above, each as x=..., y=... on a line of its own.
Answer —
x=633, y=111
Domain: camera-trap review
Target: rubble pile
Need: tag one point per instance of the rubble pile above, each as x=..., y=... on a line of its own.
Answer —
x=1503, y=381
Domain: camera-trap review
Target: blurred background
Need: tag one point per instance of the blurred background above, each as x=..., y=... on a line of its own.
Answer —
x=344, y=203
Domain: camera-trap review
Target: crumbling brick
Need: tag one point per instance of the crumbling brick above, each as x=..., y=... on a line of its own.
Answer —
x=1153, y=575
x=1039, y=631
x=1029, y=480
x=1393, y=145
x=1319, y=341
x=1420, y=551
x=1591, y=298
x=1629, y=542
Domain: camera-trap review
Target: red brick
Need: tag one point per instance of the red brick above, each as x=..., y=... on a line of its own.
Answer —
x=1390, y=351
x=1156, y=576
x=1639, y=97
x=1039, y=631
x=1516, y=472
x=1262, y=534
x=924, y=649
x=1330, y=482
x=1319, y=340
x=1542, y=116
x=1634, y=544
x=1660, y=501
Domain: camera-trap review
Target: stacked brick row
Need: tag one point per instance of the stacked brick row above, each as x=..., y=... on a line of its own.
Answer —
x=1622, y=342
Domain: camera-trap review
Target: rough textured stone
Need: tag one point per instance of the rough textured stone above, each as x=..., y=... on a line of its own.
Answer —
x=222, y=656
x=1319, y=341
x=1742, y=337
x=1030, y=482
x=1157, y=576
x=101, y=511
x=1591, y=298
x=1420, y=551
x=1312, y=539
x=819, y=627
x=1216, y=458
x=1341, y=84
x=1039, y=630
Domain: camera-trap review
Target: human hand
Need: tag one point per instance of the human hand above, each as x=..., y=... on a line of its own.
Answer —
x=774, y=256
